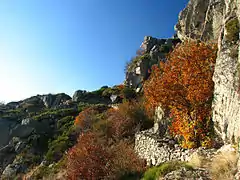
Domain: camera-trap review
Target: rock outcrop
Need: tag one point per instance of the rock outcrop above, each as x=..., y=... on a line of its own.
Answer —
x=201, y=19
x=153, y=51
x=218, y=21
x=190, y=174
x=48, y=101
x=5, y=127
x=27, y=134
x=36, y=103
x=78, y=95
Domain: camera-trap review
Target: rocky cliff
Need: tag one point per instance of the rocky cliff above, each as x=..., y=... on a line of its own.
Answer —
x=153, y=50
x=218, y=21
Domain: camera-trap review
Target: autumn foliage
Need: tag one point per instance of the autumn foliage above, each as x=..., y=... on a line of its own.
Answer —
x=85, y=119
x=89, y=117
x=184, y=86
x=104, y=149
x=129, y=117
x=125, y=160
x=88, y=159
x=93, y=158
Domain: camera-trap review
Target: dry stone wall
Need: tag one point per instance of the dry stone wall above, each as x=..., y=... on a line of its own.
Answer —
x=156, y=150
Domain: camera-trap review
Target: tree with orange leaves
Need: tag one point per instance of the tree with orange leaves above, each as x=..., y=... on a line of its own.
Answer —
x=184, y=86
x=85, y=119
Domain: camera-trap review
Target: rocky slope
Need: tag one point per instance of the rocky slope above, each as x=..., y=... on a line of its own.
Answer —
x=38, y=130
x=218, y=21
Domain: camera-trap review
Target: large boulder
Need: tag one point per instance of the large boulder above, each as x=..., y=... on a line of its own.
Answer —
x=59, y=99
x=13, y=105
x=78, y=95
x=10, y=171
x=42, y=126
x=5, y=127
x=161, y=122
x=21, y=131
x=37, y=103
x=187, y=173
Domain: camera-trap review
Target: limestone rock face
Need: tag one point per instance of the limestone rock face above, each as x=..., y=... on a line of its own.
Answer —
x=161, y=122
x=211, y=20
x=55, y=100
x=36, y=103
x=226, y=107
x=201, y=19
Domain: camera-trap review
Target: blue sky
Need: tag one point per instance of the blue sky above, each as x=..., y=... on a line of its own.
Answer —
x=53, y=46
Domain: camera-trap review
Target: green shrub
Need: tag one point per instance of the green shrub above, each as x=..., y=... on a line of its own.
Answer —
x=232, y=28
x=131, y=176
x=110, y=91
x=132, y=64
x=165, y=48
x=82, y=106
x=100, y=91
x=125, y=121
x=29, y=159
x=159, y=171
x=64, y=124
x=128, y=93
x=46, y=171
x=41, y=172
x=57, y=148
x=14, y=114
x=55, y=113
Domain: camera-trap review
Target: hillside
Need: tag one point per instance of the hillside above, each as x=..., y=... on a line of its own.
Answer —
x=176, y=115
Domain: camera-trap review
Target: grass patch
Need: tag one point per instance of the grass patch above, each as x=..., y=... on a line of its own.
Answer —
x=165, y=168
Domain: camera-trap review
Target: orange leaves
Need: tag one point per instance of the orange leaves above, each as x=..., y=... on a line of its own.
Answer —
x=184, y=85
x=85, y=119
x=92, y=158
x=102, y=151
x=124, y=121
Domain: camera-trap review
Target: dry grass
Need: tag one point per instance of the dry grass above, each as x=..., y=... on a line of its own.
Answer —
x=224, y=166
x=197, y=161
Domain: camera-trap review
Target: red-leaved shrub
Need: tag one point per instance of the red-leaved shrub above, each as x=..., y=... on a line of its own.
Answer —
x=93, y=158
x=89, y=159
x=126, y=160
x=85, y=119
x=184, y=86
x=127, y=119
